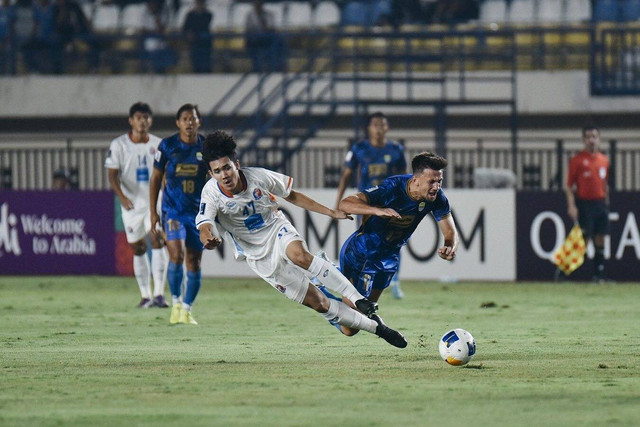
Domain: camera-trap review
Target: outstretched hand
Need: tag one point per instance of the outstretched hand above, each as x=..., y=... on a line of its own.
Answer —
x=447, y=253
x=338, y=214
x=388, y=213
x=208, y=240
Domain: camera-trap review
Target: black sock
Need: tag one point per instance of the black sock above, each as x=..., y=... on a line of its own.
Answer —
x=598, y=261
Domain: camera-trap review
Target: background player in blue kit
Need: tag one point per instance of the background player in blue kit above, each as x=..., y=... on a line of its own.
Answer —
x=391, y=212
x=179, y=162
x=374, y=159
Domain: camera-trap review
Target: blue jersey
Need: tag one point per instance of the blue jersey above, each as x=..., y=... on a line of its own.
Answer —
x=375, y=164
x=185, y=175
x=380, y=237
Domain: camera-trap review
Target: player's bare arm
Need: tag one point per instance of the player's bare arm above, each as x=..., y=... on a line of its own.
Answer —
x=342, y=185
x=305, y=202
x=572, y=210
x=448, y=228
x=358, y=205
x=154, y=190
x=114, y=180
x=208, y=238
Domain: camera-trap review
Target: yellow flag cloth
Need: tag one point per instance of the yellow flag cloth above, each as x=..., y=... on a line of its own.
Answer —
x=570, y=255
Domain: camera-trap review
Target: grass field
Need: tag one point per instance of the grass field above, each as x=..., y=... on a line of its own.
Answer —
x=75, y=351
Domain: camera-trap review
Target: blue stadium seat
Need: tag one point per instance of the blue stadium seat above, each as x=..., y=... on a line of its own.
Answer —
x=606, y=10
x=631, y=10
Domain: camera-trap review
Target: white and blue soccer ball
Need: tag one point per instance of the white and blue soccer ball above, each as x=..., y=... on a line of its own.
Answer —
x=457, y=347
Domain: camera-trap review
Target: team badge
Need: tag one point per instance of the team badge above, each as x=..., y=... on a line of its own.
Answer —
x=281, y=288
x=257, y=194
x=199, y=156
x=387, y=158
x=421, y=206
x=152, y=151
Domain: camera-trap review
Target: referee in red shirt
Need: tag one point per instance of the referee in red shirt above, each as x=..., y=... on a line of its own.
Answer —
x=588, y=195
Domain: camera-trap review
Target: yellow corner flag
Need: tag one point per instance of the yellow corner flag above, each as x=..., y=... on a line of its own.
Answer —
x=570, y=255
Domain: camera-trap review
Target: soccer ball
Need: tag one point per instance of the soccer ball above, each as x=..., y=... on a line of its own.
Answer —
x=457, y=347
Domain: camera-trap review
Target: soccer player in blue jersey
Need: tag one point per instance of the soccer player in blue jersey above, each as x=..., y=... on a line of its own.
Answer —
x=374, y=159
x=391, y=212
x=178, y=162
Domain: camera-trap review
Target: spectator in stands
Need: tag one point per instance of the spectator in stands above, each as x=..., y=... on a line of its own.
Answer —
x=406, y=12
x=366, y=13
x=196, y=30
x=154, y=23
x=264, y=45
x=61, y=180
x=71, y=24
x=7, y=37
x=43, y=50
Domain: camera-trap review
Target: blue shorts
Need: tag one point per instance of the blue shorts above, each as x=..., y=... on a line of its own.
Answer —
x=182, y=228
x=366, y=274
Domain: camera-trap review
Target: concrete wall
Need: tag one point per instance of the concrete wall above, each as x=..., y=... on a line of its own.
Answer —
x=73, y=96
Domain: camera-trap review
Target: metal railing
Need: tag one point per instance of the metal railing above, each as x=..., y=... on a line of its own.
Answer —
x=539, y=166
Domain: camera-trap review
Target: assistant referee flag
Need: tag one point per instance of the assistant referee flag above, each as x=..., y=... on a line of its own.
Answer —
x=570, y=255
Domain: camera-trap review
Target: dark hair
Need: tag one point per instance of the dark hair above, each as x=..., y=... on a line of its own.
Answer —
x=217, y=145
x=427, y=160
x=142, y=107
x=587, y=128
x=187, y=107
x=370, y=117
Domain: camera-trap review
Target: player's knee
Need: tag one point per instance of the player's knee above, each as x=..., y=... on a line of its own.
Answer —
x=139, y=248
x=300, y=257
x=348, y=331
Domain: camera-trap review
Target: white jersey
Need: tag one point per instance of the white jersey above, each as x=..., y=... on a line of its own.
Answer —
x=135, y=163
x=251, y=218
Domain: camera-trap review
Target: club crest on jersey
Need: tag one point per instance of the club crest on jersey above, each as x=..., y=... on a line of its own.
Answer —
x=421, y=206
x=257, y=194
x=152, y=151
x=199, y=156
x=387, y=158
x=281, y=288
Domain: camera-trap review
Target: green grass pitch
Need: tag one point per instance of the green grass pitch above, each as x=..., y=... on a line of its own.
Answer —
x=75, y=351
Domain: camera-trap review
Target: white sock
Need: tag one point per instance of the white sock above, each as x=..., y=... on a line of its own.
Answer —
x=327, y=274
x=143, y=274
x=186, y=306
x=158, y=270
x=176, y=301
x=344, y=315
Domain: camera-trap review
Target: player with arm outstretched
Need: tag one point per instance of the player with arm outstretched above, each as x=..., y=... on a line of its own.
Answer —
x=391, y=213
x=242, y=204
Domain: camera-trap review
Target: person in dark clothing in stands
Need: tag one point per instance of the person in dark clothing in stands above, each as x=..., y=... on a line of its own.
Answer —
x=196, y=30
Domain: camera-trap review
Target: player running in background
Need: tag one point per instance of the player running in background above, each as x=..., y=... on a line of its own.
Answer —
x=374, y=159
x=391, y=213
x=179, y=162
x=129, y=163
x=241, y=204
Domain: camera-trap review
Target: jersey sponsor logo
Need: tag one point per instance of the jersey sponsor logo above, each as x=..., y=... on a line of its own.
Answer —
x=231, y=204
x=377, y=169
x=186, y=169
x=403, y=222
x=257, y=194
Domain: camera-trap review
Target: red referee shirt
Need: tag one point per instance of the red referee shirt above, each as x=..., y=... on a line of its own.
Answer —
x=589, y=173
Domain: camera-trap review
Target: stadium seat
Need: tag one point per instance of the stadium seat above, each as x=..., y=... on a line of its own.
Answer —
x=522, y=11
x=326, y=13
x=106, y=18
x=606, y=10
x=132, y=17
x=298, y=15
x=239, y=13
x=278, y=10
x=631, y=10
x=578, y=10
x=221, y=14
x=550, y=11
x=493, y=11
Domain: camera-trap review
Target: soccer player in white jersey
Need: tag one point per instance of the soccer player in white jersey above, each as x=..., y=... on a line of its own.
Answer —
x=129, y=163
x=242, y=204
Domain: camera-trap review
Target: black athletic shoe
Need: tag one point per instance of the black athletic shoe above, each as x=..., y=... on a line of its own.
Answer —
x=366, y=307
x=391, y=336
x=158, y=301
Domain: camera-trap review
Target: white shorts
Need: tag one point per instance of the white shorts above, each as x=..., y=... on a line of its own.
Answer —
x=137, y=224
x=277, y=270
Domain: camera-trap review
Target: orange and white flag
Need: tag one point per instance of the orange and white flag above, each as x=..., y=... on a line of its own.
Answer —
x=570, y=255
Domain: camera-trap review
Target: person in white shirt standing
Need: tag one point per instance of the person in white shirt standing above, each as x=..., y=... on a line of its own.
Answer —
x=129, y=163
x=242, y=204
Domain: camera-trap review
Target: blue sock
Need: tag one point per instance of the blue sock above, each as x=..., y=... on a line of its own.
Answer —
x=174, y=277
x=327, y=293
x=194, y=279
